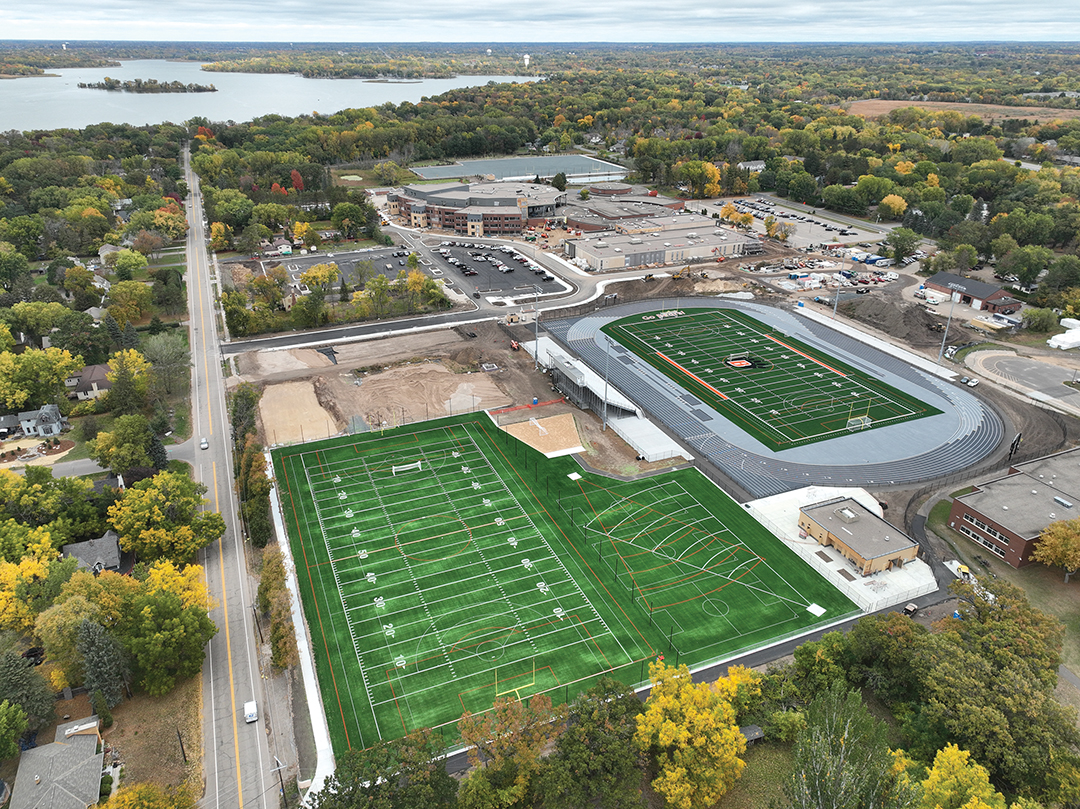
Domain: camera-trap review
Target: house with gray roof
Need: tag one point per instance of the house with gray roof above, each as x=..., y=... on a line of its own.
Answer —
x=96, y=555
x=45, y=421
x=63, y=775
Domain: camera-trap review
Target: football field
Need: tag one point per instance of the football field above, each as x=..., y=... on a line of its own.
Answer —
x=447, y=564
x=780, y=390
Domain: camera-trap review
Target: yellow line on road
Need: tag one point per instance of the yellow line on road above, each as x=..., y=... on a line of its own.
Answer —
x=228, y=652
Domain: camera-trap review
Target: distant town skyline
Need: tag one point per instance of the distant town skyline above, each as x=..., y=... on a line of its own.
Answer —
x=499, y=21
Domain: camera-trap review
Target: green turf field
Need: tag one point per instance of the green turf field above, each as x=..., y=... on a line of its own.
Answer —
x=445, y=564
x=778, y=389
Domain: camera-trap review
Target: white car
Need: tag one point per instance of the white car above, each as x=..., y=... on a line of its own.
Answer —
x=204, y=444
x=972, y=383
x=251, y=712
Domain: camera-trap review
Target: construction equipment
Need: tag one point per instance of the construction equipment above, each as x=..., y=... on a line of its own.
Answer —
x=515, y=346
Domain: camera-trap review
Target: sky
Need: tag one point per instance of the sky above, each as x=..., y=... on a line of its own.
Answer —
x=548, y=21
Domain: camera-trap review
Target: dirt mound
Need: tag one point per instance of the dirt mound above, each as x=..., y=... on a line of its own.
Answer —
x=910, y=324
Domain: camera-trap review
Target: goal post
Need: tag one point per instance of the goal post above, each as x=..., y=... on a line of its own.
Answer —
x=860, y=423
x=737, y=355
x=541, y=429
x=417, y=465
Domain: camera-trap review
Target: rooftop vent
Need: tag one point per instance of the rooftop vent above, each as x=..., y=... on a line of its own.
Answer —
x=1061, y=501
x=846, y=514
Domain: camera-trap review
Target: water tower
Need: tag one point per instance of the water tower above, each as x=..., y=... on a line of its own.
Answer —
x=526, y=58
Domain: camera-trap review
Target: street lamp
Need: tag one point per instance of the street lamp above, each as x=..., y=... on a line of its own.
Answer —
x=536, y=327
x=945, y=336
x=607, y=364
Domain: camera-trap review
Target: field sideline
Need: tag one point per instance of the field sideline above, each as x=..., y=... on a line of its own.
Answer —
x=446, y=564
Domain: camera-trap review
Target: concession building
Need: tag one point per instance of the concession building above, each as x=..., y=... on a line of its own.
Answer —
x=869, y=543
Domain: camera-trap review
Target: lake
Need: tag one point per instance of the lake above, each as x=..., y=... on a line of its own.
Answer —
x=54, y=102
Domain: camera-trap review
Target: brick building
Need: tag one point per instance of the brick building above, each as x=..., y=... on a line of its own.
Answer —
x=1006, y=515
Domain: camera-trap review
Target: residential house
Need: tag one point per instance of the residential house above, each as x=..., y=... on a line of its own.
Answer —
x=45, y=421
x=63, y=775
x=96, y=555
x=89, y=383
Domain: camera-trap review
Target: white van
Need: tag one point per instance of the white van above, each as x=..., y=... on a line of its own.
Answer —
x=251, y=712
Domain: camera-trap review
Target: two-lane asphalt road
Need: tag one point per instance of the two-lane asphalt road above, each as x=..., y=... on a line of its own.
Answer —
x=235, y=754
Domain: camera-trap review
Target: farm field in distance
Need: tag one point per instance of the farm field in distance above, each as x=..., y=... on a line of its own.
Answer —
x=445, y=564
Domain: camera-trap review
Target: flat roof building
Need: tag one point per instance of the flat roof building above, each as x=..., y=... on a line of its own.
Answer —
x=612, y=251
x=869, y=543
x=1007, y=515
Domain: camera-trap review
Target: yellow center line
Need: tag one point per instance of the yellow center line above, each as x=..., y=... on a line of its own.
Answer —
x=228, y=652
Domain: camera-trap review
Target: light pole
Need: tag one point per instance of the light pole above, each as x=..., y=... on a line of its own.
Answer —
x=536, y=328
x=607, y=365
x=945, y=336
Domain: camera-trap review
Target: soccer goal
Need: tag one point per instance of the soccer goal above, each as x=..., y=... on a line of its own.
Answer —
x=737, y=355
x=859, y=423
x=408, y=467
x=540, y=427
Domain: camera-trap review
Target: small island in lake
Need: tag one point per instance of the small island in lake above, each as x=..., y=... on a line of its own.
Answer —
x=148, y=86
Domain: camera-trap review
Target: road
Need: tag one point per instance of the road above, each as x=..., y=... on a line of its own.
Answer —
x=235, y=754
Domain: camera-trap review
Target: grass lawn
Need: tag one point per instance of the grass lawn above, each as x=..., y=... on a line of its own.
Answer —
x=445, y=566
x=768, y=765
x=776, y=388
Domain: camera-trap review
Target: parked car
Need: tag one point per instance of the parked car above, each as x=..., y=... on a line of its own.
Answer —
x=964, y=380
x=911, y=609
x=972, y=383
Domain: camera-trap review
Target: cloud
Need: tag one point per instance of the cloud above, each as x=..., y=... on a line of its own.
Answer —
x=555, y=21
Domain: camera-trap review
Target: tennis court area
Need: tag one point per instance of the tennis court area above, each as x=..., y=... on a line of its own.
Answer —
x=446, y=564
x=780, y=390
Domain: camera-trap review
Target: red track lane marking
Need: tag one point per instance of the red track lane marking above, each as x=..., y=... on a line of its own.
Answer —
x=695, y=377
x=819, y=362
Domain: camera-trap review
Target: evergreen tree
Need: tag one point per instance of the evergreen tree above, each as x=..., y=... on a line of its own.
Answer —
x=22, y=684
x=159, y=457
x=104, y=662
x=129, y=338
x=113, y=328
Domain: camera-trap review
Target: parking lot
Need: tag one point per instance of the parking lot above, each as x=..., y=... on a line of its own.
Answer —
x=478, y=269
x=485, y=269
x=811, y=226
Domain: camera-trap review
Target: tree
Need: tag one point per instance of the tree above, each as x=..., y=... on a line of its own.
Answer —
x=58, y=628
x=892, y=206
x=1059, y=545
x=169, y=356
x=105, y=662
x=1040, y=320
x=21, y=684
x=127, y=263
x=842, y=759
x=386, y=172
x=954, y=781
x=148, y=242
x=159, y=518
x=904, y=242
x=35, y=377
x=37, y=318
x=405, y=773
x=691, y=729
x=559, y=181
x=1025, y=262
x=124, y=447
x=129, y=372
x=505, y=745
x=595, y=762
x=348, y=219
x=13, y=266
x=12, y=725
x=79, y=335
x=129, y=301
x=221, y=236
x=166, y=641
